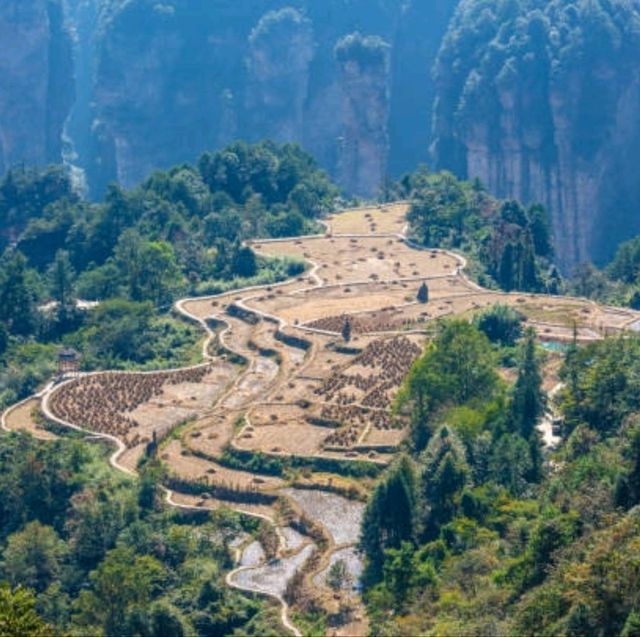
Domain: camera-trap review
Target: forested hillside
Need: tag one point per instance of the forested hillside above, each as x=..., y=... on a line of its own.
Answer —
x=86, y=552
x=480, y=530
x=179, y=233
x=508, y=245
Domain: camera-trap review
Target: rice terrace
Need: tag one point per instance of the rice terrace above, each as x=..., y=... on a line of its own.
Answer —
x=298, y=379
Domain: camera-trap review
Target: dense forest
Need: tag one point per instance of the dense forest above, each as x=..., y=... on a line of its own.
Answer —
x=617, y=283
x=179, y=233
x=477, y=529
x=87, y=552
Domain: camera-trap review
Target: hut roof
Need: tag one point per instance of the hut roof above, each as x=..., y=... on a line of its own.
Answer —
x=68, y=354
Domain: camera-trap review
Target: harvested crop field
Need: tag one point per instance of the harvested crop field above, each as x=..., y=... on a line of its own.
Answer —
x=287, y=438
x=382, y=219
x=26, y=417
x=189, y=467
x=349, y=260
x=134, y=406
x=306, y=392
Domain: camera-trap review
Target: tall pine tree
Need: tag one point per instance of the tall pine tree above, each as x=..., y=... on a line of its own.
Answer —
x=527, y=404
x=61, y=278
x=444, y=475
x=389, y=517
x=16, y=296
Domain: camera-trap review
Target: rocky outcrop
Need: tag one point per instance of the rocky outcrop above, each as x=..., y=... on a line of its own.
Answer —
x=543, y=108
x=164, y=84
x=200, y=74
x=281, y=48
x=419, y=30
x=364, y=143
x=36, y=81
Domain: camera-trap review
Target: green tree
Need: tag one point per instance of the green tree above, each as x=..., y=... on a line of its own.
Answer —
x=4, y=339
x=18, y=616
x=159, y=274
x=634, y=300
x=457, y=367
x=588, y=281
x=32, y=557
x=501, y=324
x=166, y=621
x=338, y=576
x=122, y=582
x=547, y=538
x=626, y=263
x=511, y=463
x=399, y=572
x=94, y=523
x=149, y=268
x=580, y=622
x=243, y=261
x=506, y=274
x=602, y=383
x=117, y=329
x=632, y=625
x=61, y=277
x=423, y=294
x=127, y=256
x=389, y=516
x=540, y=230
x=627, y=492
x=527, y=403
x=445, y=473
x=16, y=294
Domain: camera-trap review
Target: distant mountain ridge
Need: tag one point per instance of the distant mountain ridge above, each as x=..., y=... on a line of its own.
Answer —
x=538, y=99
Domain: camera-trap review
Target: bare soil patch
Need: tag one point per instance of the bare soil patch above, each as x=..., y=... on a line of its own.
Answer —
x=376, y=219
x=26, y=418
x=190, y=467
x=346, y=260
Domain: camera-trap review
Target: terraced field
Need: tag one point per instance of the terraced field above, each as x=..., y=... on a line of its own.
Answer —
x=284, y=418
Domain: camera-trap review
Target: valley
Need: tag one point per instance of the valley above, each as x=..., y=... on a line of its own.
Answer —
x=289, y=416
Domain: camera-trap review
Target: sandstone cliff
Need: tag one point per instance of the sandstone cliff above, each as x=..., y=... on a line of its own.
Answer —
x=182, y=76
x=36, y=81
x=167, y=82
x=364, y=144
x=543, y=107
x=281, y=48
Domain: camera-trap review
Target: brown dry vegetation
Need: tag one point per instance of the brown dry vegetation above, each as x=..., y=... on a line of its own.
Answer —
x=107, y=403
x=27, y=417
